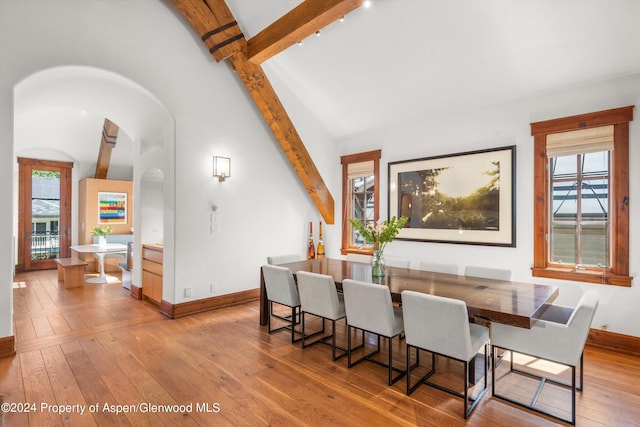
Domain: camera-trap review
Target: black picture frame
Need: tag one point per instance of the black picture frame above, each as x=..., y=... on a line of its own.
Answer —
x=466, y=197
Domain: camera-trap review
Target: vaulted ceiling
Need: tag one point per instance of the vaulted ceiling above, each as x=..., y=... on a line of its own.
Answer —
x=493, y=63
x=399, y=60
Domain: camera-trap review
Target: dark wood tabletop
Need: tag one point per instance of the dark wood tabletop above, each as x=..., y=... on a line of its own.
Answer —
x=511, y=303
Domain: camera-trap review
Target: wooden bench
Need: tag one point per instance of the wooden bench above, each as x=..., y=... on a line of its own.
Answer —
x=71, y=272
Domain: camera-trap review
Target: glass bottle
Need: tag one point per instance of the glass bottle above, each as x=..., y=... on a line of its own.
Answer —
x=311, y=250
x=320, y=252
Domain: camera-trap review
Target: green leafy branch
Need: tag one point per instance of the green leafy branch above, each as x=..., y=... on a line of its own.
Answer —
x=382, y=233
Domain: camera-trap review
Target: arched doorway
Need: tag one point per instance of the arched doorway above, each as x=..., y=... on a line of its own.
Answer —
x=53, y=107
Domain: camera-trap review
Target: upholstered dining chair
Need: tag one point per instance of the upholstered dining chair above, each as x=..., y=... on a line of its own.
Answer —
x=282, y=289
x=438, y=267
x=319, y=297
x=358, y=258
x=369, y=309
x=397, y=262
x=283, y=259
x=487, y=272
x=441, y=326
x=559, y=336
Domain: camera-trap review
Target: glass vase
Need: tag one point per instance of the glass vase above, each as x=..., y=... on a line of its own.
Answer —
x=377, y=264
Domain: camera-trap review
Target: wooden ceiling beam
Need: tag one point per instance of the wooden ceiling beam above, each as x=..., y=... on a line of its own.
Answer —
x=107, y=143
x=282, y=127
x=208, y=17
x=216, y=26
x=305, y=19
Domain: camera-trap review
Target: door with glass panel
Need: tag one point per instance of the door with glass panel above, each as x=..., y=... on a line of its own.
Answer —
x=44, y=213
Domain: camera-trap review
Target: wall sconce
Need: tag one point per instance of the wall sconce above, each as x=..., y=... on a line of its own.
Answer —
x=221, y=167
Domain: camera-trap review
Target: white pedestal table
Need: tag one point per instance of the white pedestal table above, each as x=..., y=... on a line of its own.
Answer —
x=100, y=251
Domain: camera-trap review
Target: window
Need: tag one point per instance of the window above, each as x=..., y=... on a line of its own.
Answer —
x=360, y=197
x=581, y=186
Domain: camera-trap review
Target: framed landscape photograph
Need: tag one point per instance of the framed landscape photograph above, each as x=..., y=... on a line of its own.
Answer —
x=456, y=198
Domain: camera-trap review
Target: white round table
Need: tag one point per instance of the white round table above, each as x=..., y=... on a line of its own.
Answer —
x=100, y=251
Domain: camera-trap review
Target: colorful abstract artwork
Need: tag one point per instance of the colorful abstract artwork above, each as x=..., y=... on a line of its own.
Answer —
x=112, y=208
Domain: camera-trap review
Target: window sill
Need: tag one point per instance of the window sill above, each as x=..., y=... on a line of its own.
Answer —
x=588, y=276
x=361, y=251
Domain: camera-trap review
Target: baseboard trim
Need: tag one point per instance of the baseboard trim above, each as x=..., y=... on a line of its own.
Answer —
x=174, y=311
x=613, y=341
x=135, y=292
x=7, y=347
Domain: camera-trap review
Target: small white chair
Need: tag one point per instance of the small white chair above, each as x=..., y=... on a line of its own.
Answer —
x=439, y=268
x=487, y=273
x=369, y=308
x=397, y=262
x=441, y=326
x=283, y=259
x=319, y=297
x=281, y=289
x=556, y=337
x=358, y=258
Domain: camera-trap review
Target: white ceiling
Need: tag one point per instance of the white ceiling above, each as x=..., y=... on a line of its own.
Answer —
x=400, y=60
x=56, y=108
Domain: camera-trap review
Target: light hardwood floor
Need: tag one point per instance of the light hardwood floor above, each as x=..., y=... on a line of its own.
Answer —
x=98, y=346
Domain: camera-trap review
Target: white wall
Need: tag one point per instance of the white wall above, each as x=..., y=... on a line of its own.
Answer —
x=509, y=125
x=264, y=209
x=6, y=211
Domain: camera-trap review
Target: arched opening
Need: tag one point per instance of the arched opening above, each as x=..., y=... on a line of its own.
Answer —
x=59, y=114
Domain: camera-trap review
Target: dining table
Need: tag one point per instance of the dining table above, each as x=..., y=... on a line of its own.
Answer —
x=488, y=300
x=100, y=251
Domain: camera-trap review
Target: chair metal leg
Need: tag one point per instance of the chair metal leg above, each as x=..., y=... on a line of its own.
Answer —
x=468, y=409
x=573, y=393
x=581, y=372
x=543, y=380
x=293, y=323
x=305, y=335
x=291, y=319
x=368, y=358
x=350, y=350
x=412, y=388
x=466, y=389
x=334, y=346
x=324, y=339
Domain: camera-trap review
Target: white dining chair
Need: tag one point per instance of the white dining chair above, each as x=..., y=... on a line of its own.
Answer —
x=438, y=267
x=369, y=309
x=281, y=289
x=556, y=337
x=441, y=326
x=283, y=259
x=319, y=297
x=487, y=272
x=397, y=262
x=358, y=258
